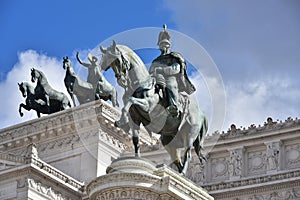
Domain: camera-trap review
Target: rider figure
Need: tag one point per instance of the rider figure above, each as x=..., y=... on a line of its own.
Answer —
x=169, y=70
x=94, y=72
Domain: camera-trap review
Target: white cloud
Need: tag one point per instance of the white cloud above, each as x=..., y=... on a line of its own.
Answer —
x=11, y=96
x=210, y=96
x=255, y=49
x=253, y=102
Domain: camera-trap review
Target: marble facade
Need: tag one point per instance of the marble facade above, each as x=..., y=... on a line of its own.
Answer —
x=74, y=147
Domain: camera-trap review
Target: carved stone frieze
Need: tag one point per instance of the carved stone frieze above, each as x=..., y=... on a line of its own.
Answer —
x=259, y=181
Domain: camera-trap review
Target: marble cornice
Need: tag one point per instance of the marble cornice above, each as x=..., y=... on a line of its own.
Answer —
x=268, y=127
x=34, y=165
x=287, y=177
x=74, y=121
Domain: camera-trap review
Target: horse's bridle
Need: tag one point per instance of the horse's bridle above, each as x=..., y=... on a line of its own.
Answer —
x=121, y=73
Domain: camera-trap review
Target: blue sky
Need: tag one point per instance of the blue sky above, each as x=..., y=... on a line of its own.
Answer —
x=255, y=45
x=58, y=27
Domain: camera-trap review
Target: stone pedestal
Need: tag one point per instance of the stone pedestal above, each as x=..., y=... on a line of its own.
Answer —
x=137, y=178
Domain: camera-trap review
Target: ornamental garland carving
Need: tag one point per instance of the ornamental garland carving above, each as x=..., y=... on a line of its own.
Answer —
x=293, y=156
x=130, y=193
x=45, y=190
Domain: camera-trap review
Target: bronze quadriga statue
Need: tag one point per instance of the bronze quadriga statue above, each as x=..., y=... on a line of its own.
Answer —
x=96, y=87
x=43, y=98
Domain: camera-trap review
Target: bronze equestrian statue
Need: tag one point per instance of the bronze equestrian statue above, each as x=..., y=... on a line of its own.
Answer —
x=143, y=104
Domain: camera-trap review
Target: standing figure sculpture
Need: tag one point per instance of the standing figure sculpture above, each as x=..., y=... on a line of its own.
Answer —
x=169, y=70
x=144, y=105
x=96, y=88
x=94, y=73
x=38, y=105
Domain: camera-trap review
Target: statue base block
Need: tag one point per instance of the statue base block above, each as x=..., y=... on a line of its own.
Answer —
x=137, y=178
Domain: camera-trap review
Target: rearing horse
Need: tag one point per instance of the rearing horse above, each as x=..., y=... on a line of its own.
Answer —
x=145, y=106
x=45, y=92
x=32, y=103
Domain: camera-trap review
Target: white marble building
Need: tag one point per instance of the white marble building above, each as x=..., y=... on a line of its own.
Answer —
x=74, y=147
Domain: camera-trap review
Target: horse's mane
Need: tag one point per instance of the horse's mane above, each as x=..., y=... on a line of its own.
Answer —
x=130, y=55
x=42, y=75
x=29, y=87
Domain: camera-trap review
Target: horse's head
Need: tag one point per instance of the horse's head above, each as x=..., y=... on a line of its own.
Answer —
x=66, y=62
x=23, y=89
x=34, y=74
x=114, y=58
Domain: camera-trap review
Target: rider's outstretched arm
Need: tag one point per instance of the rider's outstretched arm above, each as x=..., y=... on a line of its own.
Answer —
x=82, y=63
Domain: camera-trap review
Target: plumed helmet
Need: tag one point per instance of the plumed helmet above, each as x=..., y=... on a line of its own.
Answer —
x=164, y=36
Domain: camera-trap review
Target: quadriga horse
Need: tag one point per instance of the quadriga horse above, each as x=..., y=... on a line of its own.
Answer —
x=43, y=91
x=31, y=103
x=75, y=86
x=145, y=106
x=84, y=91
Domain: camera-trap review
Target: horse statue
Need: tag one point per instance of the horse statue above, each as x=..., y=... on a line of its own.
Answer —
x=43, y=91
x=39, y=105
x=144, y=105
x=84, y=91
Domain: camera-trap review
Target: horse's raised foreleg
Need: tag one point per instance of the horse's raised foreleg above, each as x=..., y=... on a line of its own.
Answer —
x=25, y=107
x=123, y=121
x=142, y=103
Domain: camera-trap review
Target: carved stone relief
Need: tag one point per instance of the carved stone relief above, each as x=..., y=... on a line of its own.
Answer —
x=46, y=190
x=196, y=171
x=130, y=193
x=292, y=156
x=219, y=167
x=272, y=156
x=235, y=163
x=256, y=163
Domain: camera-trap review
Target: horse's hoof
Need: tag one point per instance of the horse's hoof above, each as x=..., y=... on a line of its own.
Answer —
x=137, y=155
x=21, y=114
